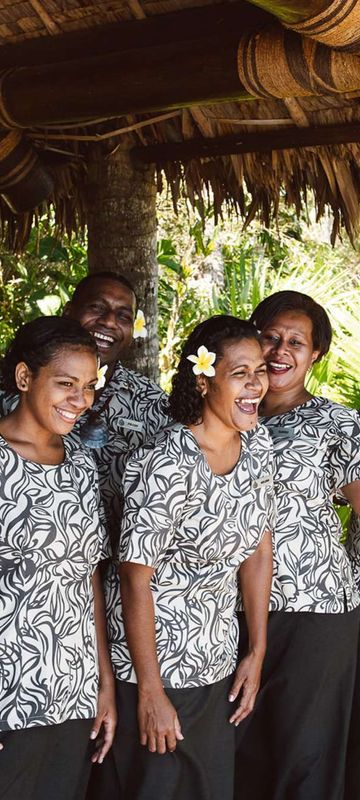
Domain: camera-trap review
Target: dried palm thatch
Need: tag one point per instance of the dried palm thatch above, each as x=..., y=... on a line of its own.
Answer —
x=250, y=183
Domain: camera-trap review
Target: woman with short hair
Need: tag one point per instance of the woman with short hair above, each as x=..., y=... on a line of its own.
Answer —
x=294, y=745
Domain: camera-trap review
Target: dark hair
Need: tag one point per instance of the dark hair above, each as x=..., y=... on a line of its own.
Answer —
x=37, y=342
x=105, y=275
x=288, y=300
x=185, y=399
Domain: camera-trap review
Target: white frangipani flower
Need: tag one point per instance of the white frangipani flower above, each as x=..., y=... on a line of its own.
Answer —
x=203, y=362
x=101, y=380
x=140, y=331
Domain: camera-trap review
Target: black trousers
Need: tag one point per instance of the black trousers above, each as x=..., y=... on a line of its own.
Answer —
x=50, y=762
x=201, y=768
x=293, y=746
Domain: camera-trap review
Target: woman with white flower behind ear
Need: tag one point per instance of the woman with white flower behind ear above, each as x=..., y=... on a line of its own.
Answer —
x=198, y=513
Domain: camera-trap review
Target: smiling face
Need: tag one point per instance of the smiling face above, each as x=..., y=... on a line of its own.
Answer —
x=240, y=383
x=106, y=309
x=61, y=391
x=288, y=350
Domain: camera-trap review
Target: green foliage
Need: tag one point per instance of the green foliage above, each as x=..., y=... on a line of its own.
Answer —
x=179, y=306
x=40, y=281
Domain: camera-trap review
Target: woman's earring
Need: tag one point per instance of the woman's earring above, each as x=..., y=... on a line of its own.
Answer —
x=203, y=394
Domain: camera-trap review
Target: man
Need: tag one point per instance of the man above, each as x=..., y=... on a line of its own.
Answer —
x=130, y=406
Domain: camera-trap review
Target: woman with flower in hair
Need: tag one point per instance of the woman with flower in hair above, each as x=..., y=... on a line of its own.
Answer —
x=56, y=681
x=197, y=519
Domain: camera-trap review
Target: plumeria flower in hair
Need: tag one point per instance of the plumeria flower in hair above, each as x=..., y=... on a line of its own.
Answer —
x=140, y=331
x=203, y=362
x=101, y=380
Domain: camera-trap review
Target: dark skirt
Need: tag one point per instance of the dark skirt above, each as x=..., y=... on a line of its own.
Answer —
x=293, y=745
x=50, y=762
x=202, y=766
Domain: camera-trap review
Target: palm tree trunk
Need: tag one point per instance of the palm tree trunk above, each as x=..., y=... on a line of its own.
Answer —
x=121, y=214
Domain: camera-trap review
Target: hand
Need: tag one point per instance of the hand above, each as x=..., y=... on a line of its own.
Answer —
x=159, y=724
x=106, y=718
x=247, y=679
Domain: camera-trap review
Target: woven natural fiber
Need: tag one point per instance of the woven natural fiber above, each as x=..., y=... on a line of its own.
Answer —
x=280, y=63
x=338, y=25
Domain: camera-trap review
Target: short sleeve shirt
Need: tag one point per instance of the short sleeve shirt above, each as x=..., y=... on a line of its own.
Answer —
x=51, y=540
x=195, y=529
x=137, y=410
x=317, y=451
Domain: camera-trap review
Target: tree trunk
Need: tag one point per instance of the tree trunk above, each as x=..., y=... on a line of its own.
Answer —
x=121, y=216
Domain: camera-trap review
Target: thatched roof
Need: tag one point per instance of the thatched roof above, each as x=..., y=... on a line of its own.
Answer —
x=251, y=182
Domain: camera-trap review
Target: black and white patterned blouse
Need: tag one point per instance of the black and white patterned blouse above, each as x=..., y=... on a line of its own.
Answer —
x=51, y=540
x=195, y=528
x=137, y=410
x=317, y=451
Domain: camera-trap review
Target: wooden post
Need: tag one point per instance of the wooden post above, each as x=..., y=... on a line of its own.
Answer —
x=122, y=238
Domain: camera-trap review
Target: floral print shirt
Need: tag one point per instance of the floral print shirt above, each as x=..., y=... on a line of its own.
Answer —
x=51, y=540
x=317, y=451
x=195, y=528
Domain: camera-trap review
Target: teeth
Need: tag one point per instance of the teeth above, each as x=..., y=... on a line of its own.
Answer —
x=253, y=400
x=66, y=415
x=276, y=365
x=103, y=337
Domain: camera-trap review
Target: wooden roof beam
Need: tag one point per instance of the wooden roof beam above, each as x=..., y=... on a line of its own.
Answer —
x=223, y=19
x=289, y=139
x=175, y=75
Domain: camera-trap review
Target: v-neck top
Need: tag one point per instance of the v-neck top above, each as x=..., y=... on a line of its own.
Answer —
x=195, y=529
x=317, y=452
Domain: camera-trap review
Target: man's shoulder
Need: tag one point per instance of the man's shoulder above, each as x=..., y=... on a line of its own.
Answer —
x=126, y=378
x=148, y=397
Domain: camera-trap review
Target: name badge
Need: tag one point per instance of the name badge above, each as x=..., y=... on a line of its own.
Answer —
x=262, y=481
x=131, y=424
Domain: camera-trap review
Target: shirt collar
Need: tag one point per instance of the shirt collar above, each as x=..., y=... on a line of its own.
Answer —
x=121, y=378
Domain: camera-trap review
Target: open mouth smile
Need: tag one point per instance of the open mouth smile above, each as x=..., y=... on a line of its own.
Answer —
x=278, y=368
x=103, y=340
x=248, y=405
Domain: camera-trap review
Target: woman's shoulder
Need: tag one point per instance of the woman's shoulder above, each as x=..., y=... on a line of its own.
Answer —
x=174, y=444
x=337, y=415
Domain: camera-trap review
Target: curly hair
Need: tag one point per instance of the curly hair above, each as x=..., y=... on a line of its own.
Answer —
x=37, y=342
x=289, y=300
x=185, y=399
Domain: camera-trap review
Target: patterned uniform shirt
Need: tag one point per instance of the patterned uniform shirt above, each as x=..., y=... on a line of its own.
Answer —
x=137, y=410
x=317, y=451
x=51, y=540
x=195, y=529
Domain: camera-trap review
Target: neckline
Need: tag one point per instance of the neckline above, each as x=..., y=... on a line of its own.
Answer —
x=217, y=474
x=4, y=441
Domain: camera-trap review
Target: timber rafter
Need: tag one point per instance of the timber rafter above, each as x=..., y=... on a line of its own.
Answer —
x=288, y=139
